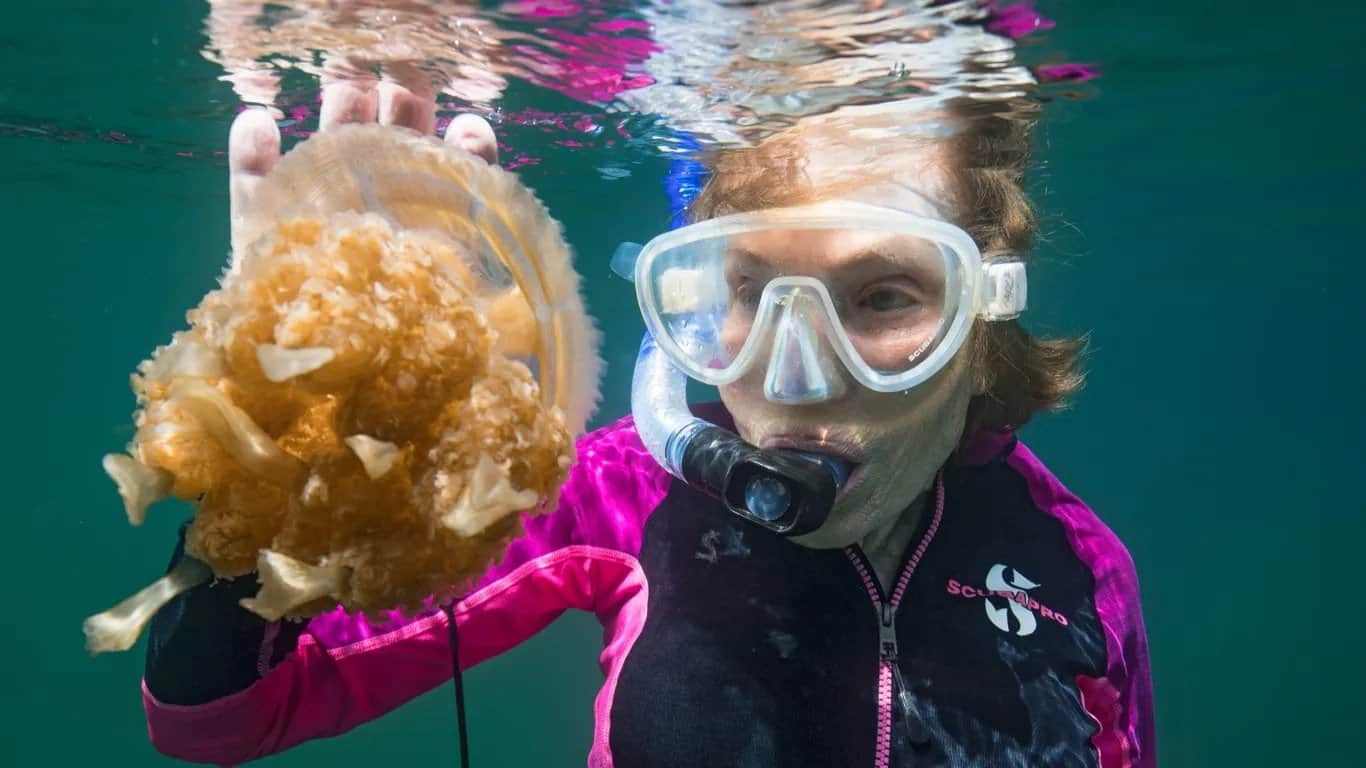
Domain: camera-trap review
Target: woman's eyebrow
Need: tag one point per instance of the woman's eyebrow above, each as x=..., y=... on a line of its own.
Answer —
x=743, y=254
x=743, y=259
x=867, y=256
x=900, y=249
x=878, y=256
x=872, y=257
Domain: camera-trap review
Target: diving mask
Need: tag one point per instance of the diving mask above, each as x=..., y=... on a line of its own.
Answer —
x=888, y=294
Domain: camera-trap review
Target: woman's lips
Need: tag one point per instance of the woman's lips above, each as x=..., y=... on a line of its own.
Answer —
x=842, y=450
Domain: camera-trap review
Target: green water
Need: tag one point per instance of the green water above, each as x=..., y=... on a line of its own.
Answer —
x=1202, y=206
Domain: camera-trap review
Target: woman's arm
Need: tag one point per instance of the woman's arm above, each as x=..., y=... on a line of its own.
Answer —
x=1121, y=699
x=203, y=645
x=224, y=687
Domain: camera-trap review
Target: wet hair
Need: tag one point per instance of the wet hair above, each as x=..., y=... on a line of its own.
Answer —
x=1017, y=373
x=1020, y=374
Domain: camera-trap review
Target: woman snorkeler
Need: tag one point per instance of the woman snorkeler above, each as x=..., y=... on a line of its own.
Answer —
x=891, y=577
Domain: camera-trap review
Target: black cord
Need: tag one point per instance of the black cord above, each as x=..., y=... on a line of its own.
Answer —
x=459, y=687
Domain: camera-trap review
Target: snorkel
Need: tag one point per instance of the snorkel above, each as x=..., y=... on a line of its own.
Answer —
x=785, y=491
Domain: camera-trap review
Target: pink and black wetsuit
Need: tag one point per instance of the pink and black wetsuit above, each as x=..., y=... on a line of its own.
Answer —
x=1013, y=636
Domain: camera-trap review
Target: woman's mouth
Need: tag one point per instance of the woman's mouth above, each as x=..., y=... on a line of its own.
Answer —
x=844, y=460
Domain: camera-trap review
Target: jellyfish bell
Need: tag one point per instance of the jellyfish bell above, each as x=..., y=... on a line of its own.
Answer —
x=502, y=236
x=394, y=368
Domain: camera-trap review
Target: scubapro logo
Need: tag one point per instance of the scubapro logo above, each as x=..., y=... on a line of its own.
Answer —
x=1007, y=596
x=996, y=582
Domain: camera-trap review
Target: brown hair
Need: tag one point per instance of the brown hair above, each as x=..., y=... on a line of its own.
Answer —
x=1018, y=374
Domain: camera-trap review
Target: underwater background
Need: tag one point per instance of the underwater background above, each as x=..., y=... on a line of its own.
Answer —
x=1202, y=201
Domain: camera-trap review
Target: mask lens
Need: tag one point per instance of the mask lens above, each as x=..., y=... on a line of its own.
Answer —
x=689, y=293
x=894, y=303
x=889, y=299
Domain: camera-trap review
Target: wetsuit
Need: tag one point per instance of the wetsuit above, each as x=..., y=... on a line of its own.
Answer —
x=1013, y=636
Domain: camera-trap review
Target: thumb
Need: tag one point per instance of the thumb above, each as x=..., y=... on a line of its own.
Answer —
x=253, y=149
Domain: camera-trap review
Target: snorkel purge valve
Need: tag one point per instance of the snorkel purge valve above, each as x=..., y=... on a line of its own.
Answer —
x=787, y=492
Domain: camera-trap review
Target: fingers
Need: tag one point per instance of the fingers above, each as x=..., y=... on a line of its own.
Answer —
x=473, y=134
x=253, y=149
x=406, y=97
x=352, y=97
x=347, y=101
x=348, y=91
x=413, y=108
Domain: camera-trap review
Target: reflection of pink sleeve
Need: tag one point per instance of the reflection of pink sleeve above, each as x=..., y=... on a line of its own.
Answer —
x=580, y=53
x=346, y=671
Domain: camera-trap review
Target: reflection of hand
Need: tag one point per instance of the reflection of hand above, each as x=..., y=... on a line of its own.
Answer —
x=254, y=141
x=459, y=52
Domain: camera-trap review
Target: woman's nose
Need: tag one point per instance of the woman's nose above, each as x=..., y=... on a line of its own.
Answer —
x=802, y=368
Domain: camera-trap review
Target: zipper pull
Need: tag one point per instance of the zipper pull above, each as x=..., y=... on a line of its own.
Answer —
x=918, y=732
x=916, y=729
x=886, y=633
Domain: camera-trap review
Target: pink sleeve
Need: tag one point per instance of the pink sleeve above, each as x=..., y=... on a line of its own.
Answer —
x=1121, y=701
x=345, y=671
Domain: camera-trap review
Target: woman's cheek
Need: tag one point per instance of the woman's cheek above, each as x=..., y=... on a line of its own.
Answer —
x=734, y=330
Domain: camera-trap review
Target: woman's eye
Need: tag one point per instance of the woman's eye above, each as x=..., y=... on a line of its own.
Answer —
x=745, y=294
x=887, y=300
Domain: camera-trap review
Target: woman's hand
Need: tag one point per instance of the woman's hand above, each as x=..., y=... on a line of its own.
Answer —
x=254, y=141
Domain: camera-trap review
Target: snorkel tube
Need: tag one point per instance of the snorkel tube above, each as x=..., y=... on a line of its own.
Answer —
x=784, y=491
x=787, y=492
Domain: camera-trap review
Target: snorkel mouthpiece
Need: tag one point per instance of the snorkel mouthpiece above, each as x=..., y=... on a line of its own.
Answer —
x=786, y=492
x=838, y=467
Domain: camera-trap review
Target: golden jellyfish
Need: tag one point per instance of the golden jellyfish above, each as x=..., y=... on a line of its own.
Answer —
x=390, y=374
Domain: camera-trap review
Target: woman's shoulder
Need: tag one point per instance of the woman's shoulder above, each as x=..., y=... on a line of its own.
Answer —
x=1092, y=539
x=1021, y=473
x=1126, y=690
x=612, y=487
x=1115, y=587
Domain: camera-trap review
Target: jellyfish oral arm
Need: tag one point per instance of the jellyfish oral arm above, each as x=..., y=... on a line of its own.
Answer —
x=287, y=584
x=281, y=364
x=118, y=628
x=488, y=497
x=139, y=485
x=233, y=428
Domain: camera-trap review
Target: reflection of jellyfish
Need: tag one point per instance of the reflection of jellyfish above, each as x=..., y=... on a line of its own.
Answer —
x=352, y=408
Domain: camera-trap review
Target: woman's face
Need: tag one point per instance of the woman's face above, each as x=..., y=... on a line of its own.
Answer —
x=889, y=294
x=887, y=289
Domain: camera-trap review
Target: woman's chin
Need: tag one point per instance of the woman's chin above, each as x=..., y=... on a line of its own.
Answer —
x=848, y=520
